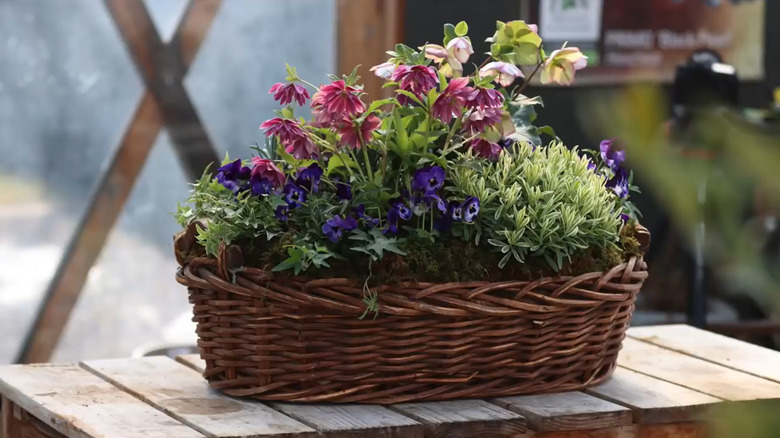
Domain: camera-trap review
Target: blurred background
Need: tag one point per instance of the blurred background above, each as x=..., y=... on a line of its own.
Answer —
x=109, y=108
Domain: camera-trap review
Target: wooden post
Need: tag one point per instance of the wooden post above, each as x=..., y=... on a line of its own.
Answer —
x=366, y=30
x=165, y=103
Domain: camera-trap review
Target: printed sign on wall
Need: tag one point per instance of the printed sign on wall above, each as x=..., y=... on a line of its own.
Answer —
x=647, y=40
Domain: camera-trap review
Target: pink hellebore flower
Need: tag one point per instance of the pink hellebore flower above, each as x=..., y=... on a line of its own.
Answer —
x=265, y=168
x=479, y=120
x=485, y=98
x=505, y=72
x=302, y=148
x=338, y=101
x=417, y=79
x=435, y=52
x=451, y=101
x=285, y=93
x=562, y=64
x=485, y=149
x=460, y=49
x=383, y=70
x=292, y=136
x=354, y=136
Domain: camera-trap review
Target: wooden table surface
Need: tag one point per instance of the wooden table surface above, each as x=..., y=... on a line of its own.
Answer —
x=668, y=378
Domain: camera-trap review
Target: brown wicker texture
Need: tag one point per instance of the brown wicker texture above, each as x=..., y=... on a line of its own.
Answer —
x=275, y=337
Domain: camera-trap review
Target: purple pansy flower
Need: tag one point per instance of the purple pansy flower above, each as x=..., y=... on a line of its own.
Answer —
x=470, y=209
x=283, y=213
x=309, y=178
x=334, y=228
x=343, y=189
x=428, y=180
x=294, y=195
x=612, y=157
x=619, y=183
x=360, y=212
x=233, y=176
x=397, y=211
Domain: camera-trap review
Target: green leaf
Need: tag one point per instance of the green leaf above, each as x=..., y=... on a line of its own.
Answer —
x=548, y=130
x=338, y=161
x=377, y=103
x=461, y=29
x=449, y=33
x=525, y=42
x=402, y=139
x=410, y=95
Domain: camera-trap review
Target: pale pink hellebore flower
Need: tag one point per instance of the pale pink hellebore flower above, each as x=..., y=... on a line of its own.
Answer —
x=460, y=49
x=562, y=64
x=505, y=72
x=383, y=70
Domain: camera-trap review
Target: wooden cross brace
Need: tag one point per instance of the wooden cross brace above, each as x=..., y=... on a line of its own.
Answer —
x=165, y=103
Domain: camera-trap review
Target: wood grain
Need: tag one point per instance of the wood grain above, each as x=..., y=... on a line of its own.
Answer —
x=653, y=400
x=353, y=421
x=338, y=420
x=79, y=404
x=184, y=395
x=464, y=418
x=366, y=30
x=567, y=411
x=739, y=355
x=699, y=375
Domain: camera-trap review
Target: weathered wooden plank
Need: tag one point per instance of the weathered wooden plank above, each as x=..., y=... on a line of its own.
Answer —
x=739, y=355
x=184, y=395
x=78, y=404
x=339, y=420
x=16, y=422
x=193, y=361
x=464, y=419
x=343, y=421
x=653, y=400
x=676, y=430
x=162, y=68
x=567, y=411
x=366, y=30
x=707, y=377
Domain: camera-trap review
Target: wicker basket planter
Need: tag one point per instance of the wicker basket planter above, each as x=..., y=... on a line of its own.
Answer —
x=275, y=337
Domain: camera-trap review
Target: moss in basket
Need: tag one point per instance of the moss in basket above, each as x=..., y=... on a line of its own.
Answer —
x=448, y=180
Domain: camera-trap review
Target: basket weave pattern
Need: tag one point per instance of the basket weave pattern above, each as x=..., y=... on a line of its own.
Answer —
x=288, y=338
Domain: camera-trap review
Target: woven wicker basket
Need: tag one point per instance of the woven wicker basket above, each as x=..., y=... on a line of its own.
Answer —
x=280, y=338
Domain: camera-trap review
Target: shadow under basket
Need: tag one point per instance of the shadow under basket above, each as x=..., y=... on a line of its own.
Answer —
x=275, y=337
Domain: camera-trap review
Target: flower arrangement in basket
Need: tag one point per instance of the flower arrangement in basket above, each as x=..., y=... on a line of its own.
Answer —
x=421, y=247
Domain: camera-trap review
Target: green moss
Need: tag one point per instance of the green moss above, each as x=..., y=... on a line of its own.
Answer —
x=445, y=260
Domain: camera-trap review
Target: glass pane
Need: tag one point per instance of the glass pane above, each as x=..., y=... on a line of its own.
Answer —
x=67, y=88
x=132, y=302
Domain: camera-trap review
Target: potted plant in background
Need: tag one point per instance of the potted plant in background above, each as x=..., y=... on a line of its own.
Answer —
x=422, y=247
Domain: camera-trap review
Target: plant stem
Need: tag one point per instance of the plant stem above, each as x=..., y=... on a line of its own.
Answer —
x=528, y=79
x=343, y=160
x=447, y=142
x=368, y=162
x=308, y=83
x=354, y=158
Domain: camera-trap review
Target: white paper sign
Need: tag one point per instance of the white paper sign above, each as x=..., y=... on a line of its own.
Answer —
x=570, y=20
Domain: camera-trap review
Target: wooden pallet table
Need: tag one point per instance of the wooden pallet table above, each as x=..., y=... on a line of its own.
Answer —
x=668, y=378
